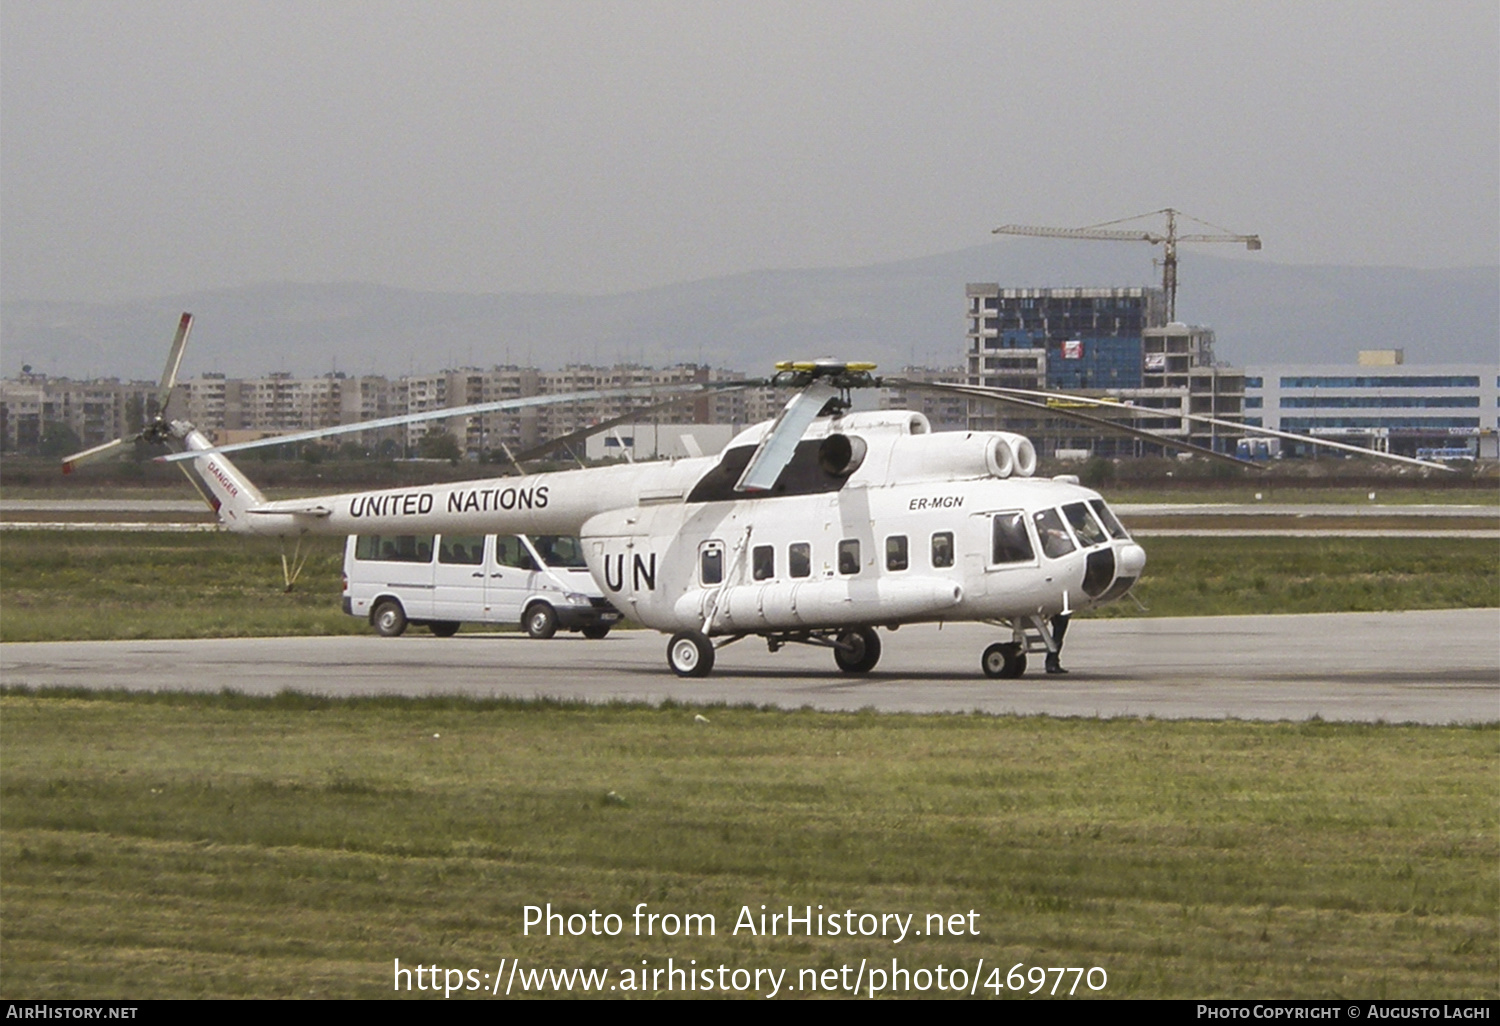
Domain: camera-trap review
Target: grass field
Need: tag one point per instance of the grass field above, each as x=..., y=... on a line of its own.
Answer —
x=181, y=846
x=58, y=585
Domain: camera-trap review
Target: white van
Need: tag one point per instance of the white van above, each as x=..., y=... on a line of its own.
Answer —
x=442, y=581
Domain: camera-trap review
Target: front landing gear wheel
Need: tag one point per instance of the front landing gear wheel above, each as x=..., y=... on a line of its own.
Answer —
x=690, y=654
x=858, y=650
x=1003, y=660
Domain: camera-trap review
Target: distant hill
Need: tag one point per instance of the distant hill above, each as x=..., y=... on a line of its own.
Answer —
x=895, y=313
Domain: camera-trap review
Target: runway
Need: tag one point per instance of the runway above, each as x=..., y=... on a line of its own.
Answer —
x=1432, y=667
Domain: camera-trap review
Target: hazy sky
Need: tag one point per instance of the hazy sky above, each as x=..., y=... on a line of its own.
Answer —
x=151, y=148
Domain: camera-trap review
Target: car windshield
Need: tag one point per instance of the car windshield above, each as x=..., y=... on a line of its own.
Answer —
x=559, y=550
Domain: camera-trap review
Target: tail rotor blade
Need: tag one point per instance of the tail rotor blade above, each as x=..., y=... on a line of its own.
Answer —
x=94, y=455
x=174, y=360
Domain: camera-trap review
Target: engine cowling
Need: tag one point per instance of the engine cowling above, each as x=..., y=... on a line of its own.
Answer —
x=954, y=455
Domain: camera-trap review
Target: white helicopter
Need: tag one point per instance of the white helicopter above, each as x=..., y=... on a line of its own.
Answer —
x=815, y=528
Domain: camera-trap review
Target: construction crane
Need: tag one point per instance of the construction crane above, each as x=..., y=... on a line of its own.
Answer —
x=1168, y=241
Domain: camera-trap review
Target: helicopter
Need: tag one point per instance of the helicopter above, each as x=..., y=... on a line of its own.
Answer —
x=816, y=528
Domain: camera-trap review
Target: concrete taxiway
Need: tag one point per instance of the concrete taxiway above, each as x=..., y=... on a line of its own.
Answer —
x=1423, y=666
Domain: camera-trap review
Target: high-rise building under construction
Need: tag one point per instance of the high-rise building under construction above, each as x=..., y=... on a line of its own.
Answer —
x=1100, y=341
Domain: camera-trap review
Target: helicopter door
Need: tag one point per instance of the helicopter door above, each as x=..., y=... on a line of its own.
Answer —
x=997, y=541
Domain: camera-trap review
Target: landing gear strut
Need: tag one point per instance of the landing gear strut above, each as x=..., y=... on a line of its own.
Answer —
x=855, y=649
x=1033, y=633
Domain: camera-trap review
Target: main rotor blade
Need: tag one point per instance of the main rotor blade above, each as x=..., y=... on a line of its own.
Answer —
x=449, y=412
x=780, y=443
x=981, y=392
x=94, y=455
x=579, y=435
x=1205, y=419
x=174, y=360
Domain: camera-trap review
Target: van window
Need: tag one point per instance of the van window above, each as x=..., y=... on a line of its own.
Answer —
x=394, y=548
x=462, y=549
x=510, y=552
x=799, y=559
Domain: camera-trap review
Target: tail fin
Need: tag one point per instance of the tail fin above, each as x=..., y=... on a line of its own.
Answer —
x=227, y=491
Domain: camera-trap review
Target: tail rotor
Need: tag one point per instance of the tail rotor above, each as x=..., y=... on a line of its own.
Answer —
x=158, y=428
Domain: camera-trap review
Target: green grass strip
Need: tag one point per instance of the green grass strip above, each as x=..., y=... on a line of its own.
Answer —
x=177, y=845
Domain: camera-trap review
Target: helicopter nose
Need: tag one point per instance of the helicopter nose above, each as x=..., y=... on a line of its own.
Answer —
x=1132, y=560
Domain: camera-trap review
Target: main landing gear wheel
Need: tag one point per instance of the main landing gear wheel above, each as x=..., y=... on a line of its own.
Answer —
x=389, y=619
x=1003, y=660
x=443, y=628
x=541, y=621
x=858, y=650
x=690, y=654
x=595, y=633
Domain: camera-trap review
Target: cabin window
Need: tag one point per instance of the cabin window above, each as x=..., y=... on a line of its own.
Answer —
x=509, y=551
x=1055, y=540
x=395, y=548
x=849, y=556
x=895, y=552
x=463, y=549
x=711, y=563
x=763, y=562
x=799, y=559
x=1111, y=522
x=942, y=549
x=1010, y=542
x=1084, y=526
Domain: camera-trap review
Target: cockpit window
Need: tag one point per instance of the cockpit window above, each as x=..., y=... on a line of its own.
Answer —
x=1084, y=526
x=1056, y=542
x=1111, y=522
x=1010, y=542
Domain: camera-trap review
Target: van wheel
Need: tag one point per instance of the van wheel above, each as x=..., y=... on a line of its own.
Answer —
x=389, y=619
x=541, y=621
x=596, y=632
x=443, y=628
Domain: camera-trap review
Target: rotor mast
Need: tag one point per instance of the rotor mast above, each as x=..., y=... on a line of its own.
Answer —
x=1168, y=241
